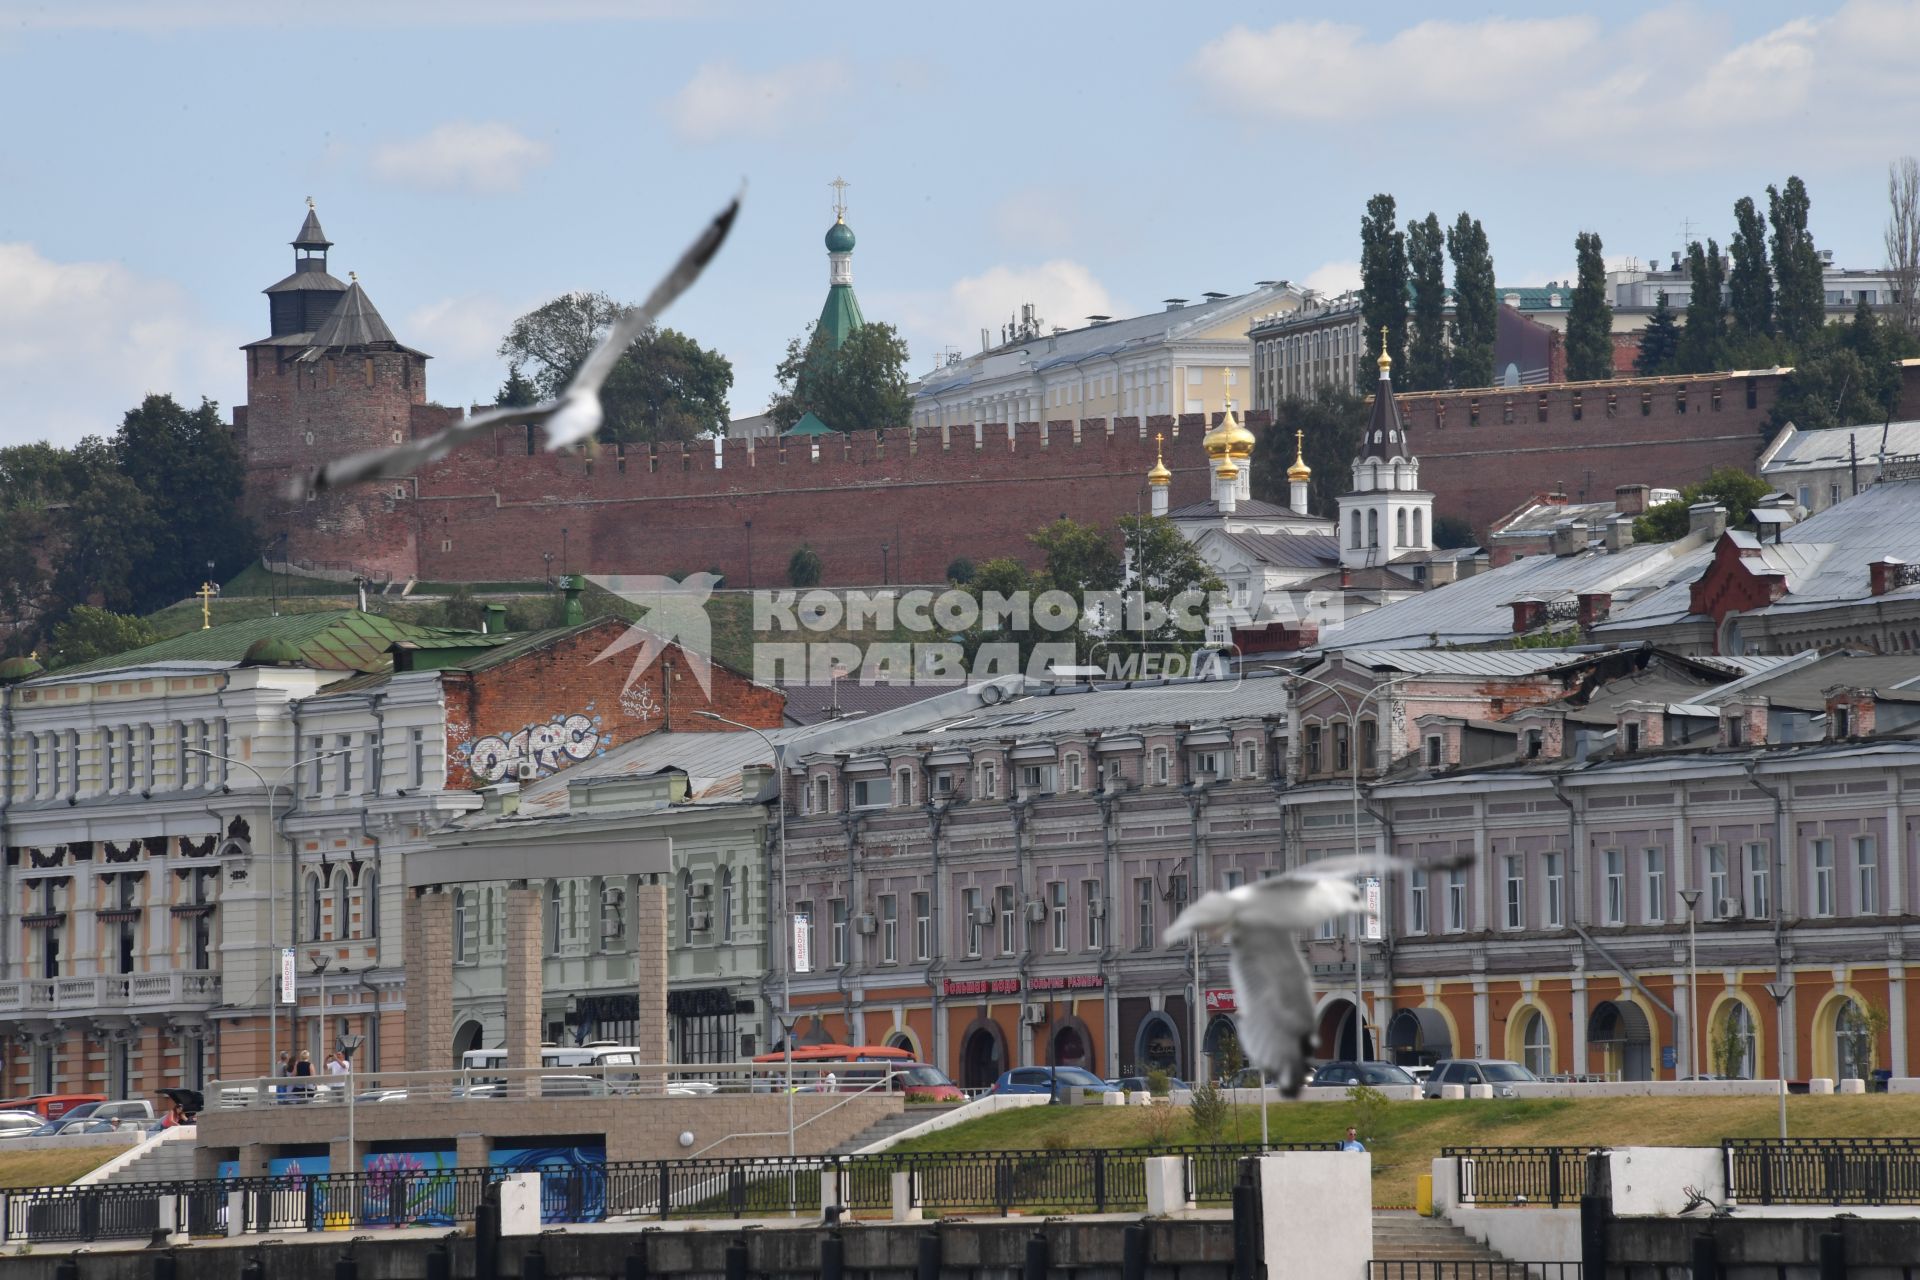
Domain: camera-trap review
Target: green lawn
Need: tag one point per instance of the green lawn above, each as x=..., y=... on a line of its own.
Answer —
x=54, y=1167
x=1407, y=1136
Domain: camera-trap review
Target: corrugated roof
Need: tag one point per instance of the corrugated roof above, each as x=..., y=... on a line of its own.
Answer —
x=1250, y=509
x=1838, y=446
x=1288, y=550
x=1804, y=686
x=813, y=703
x=1463, y=662
x=333, y=640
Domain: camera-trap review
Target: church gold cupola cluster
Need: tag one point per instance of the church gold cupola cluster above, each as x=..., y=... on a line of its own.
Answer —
x=1229, y=445
x=1386, y=514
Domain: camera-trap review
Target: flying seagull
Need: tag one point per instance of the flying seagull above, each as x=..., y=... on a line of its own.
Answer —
x=571, y=418
x=1262, y=923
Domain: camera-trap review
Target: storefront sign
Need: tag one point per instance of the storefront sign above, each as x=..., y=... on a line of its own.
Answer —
x=1011, y=986
x=802, y=943
x=286, y=975
x=1220, y=1000
x=1373, y=908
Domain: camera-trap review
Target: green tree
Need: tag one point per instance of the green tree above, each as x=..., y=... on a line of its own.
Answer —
x=461, y=610
x=1426, y=368
x=1703, y=346
x=960, y=571
x=1383, y=285
x=1749, y=287
x=1589, y=319
x=1800, y=300
x=516, y=392
x=1659, y=343
x=804, y=567
x=860, y=386
x=1079, y=557
x=188, y=466
x=88, y=633
x=665, y=386
x=1166, y=569
x=1731, y=487
x=1331, y=421
x=1450, y=533
x=1476, y=305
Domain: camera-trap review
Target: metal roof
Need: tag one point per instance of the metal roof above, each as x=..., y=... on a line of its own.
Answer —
x=813, y=703
x=355, y=322
x=1463, y=662
x=331, y=640
x=1833, y=447
x=1252, y=508
x=1805, y=686
x=1288, y=550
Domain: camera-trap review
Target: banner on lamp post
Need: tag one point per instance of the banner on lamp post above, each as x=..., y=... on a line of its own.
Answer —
x=1373, y=908
x=802, y=943
x=286, y=975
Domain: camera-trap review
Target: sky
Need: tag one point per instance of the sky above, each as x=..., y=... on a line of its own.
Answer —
x=471, y=163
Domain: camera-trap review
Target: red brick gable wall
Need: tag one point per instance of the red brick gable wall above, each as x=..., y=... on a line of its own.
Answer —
x=556, y=706
x=1735, y=581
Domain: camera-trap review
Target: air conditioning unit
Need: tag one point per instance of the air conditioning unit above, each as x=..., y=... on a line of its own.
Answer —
x=865, y=923
x=1034, y=1014
x=1727, y=909
x=702, y=890
x=701, y=921
x=983, y=915
x=1036, y=911
x=1097, y=908
x=526, y=771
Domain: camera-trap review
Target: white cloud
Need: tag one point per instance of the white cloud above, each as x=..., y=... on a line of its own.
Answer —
x=83, y=342
x=1062, y=292
x=1330, y=278
x=479, y=157
x=722, y=101
x=465, y=328
x=1673, y=88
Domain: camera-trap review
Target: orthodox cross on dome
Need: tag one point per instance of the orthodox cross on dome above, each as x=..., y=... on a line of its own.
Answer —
x=839, y=186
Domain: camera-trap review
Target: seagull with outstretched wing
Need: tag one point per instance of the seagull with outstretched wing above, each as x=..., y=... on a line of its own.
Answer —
x=1262, y=924
x=572, y=417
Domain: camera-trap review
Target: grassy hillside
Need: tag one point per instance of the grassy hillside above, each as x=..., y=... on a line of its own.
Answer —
x=1406, y=1136
x=53, y=1167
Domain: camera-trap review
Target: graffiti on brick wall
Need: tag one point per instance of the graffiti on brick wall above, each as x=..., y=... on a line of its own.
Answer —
x=561, y=741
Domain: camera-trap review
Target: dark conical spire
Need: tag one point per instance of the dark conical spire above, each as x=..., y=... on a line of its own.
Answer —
x=1386, y=434
x=311, y=236
x=355, y=322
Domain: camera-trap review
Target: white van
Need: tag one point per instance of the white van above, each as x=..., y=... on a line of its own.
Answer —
x=611, y=1062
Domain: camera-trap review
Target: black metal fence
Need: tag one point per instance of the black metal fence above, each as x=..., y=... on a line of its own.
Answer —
x=1463, y=1269
x=1549, y=1176
x=1823, y=1170
x=115, y=1211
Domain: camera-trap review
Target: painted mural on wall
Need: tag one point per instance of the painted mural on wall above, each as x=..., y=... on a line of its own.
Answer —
x=573, y=1178
x=563, y=740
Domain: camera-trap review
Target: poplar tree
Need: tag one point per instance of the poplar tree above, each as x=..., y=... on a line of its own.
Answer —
x=1749, y=287
x=1476, y=303
x=1800, y=299
x=1590, y=319
x=1703, y=344
x=1383, y=286
x=1426, y=368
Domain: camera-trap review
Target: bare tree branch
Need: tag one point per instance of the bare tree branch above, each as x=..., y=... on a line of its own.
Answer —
x=1903, y=239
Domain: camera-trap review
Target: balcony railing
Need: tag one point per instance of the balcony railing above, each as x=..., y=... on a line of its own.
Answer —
x=110, y=991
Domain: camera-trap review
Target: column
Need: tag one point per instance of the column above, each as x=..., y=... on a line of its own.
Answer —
x=1482, y=1019
x=429, y=952
x=525, y=989
x=1897, y=1017
x=650, y=971
x=1578, y=996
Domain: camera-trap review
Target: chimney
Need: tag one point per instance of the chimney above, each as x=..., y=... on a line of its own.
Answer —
x=1528, y=613
x=1883, y=575
x=1346, y=578
x=1630, y=499
x=1569, y=538
x=1594, y=607
x=1707, y=517
x=496, y=620
x=573, y=584
x=757, y=783
x=501, y=800
x=1618, y=534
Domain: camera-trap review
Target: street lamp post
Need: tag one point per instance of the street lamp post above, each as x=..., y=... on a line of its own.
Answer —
x=1780, y=991
x=273, y=883
x=780, y=872
x=1695, y=1052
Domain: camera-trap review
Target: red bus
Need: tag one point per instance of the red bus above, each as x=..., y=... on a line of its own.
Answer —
x=916, y=1080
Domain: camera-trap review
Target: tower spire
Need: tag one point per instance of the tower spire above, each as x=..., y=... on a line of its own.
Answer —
x=841, y=314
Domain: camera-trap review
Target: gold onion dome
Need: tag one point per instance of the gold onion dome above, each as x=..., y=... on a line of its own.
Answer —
x=1227, y=470
x=1229, y=439
x=1159, y=475
x=1299, y=471
x=1385, y=361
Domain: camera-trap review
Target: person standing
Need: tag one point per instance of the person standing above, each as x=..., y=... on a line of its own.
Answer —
x=282, y=1068
x=1353, y=1142
x=304, y=1067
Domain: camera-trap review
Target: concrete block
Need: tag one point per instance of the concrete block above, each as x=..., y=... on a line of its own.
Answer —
x=904, y=1209
x=520, y=1205
x=1478, y=1090
x=1650, y=1182
x=830, y=1191
x=1115, y=1099
x=1446, y=1184
x=1820, y=1085
x=1853, y=1086
x=236, y=1213
x=1166, y=1185
x=1904, y=1084
x=1140, y=1098
x=1452, y=1092
x=1325, y=1197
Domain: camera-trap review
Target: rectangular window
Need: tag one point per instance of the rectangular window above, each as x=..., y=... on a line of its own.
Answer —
x=1073, y=773
x=1232, y=879
x=1369, y=744
x=1310, y=750
x=1433, y=750
x=1757, y=904
x=985, y=785
x=1416, y=901
x=1555, y=900
x=1516, y=891
x=974, y=925
x=1866, y=875
x=889, y=929
x=1057, y=915
x=1205, y=764
x=1037, y=779
x=1342, y=747
x=903, y=787
x=1143, y=898
x=1096, y=913
x=1823, y=895
x=923, y=926
x=1717, y=884
x=343, y=760
x=1008, y=919
x=1456, y=901
x=1656, y=886
x=872, y=793
x=1615, y=888
x=1160, y=767
x=837, y=931
x=1251, y=766
x=822, y=795
x=416, y=757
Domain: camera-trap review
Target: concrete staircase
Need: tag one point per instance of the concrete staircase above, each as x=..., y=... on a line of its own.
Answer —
x=1408, y=1237
x=156, y=1161
x=887, y=1128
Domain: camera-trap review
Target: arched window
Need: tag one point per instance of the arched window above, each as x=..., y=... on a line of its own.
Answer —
x=1400, y=527
x=1373, y=528
x=313, y=906
x=1852, y=1043
x=1538, y=1045
x=726, y=904
x=686, y=905
x=1356, y=529
x=1732, y=1052
x=1419, y=534
x=341, y=903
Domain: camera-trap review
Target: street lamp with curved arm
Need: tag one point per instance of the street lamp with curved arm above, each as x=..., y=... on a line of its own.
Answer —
x=1346, y=696
x=780, y=872
x=273, y=878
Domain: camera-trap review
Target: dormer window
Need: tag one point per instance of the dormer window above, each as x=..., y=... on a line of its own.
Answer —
x=1736, y=731
x=822, y=795
x=1435, y=749
x=1533, y=742
x=1840, y=720
x=1630, y=736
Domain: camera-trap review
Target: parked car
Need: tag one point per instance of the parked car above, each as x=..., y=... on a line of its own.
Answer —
x=1502, y=1075
x=126, y=1110
x=18, y=1124
x=1419, y=1073
x=1138, y=1084
x=1347, y=1074
x=52, y=1106
x=68, y=1126
x=1047, y=1079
